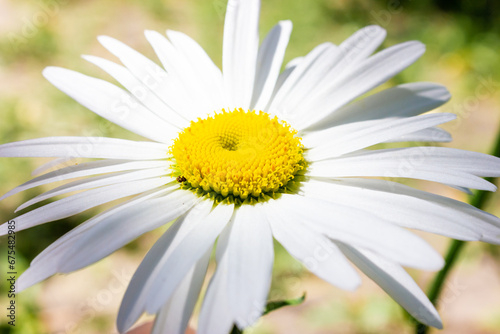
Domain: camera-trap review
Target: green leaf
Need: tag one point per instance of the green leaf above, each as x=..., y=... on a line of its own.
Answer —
x=272, y=306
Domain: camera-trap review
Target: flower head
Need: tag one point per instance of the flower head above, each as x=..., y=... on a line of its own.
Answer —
x=240, y=155
x=248, y=155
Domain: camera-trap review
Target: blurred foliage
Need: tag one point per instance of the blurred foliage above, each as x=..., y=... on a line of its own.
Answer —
x=462, y=39
x=41, y=47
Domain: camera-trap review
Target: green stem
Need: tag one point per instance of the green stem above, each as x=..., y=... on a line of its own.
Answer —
x=437, y=285
x=478, y=200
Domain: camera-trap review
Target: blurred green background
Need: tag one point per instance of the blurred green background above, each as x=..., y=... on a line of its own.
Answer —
x=462, y=38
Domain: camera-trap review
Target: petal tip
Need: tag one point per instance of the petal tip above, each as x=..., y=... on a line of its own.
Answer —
x=103, y=38
x=149, y=32
x=286, y=23
x=436, y=263
x=88, y=57
x=173, y=33
x=377, y=29
x=49, y=70
x=108, y=41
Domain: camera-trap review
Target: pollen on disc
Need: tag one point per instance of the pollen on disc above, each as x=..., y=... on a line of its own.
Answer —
x=239, y=153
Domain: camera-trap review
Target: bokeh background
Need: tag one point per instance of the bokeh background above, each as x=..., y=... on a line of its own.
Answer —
x=462, y=38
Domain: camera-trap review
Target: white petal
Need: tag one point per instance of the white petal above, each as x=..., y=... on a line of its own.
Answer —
x=174, y=267
x=152, y=76
x=94, y=182
x=289, y=68
x=314, y=250
x=432, y=134
x=408, y=207
x=328, y=69
x=351, y=137
x=302, y=80
x=438, y=164
x=250, y=260
x=86, y=169
x=51, y=164
x=180, y=70
x=112, y=103
x=47, y=263
x=353, y=50
x=215, y=316
x=361, y=45
x=124, y=226
x=141, y=92
x=173, y=318
x=396, y=282
x=208, y=73
x=463, y=189
x=371, y=73
x=360, y=228
x=84, y=147
x=270, y=59
x=80, y=202
x=401, y=101
x=239, y=58
x=138, y=296
x=133, y=304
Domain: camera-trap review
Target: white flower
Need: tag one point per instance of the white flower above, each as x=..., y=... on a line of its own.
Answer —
x=243, y=177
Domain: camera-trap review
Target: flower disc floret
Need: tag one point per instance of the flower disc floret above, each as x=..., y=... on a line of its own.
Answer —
x=238, y=153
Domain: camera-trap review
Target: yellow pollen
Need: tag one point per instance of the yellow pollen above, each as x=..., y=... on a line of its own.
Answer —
x=237, y=153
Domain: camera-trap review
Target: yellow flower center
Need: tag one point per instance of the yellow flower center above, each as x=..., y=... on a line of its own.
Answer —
x=239, y=154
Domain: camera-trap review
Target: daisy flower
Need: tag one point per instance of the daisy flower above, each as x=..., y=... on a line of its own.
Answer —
x=239, y=157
